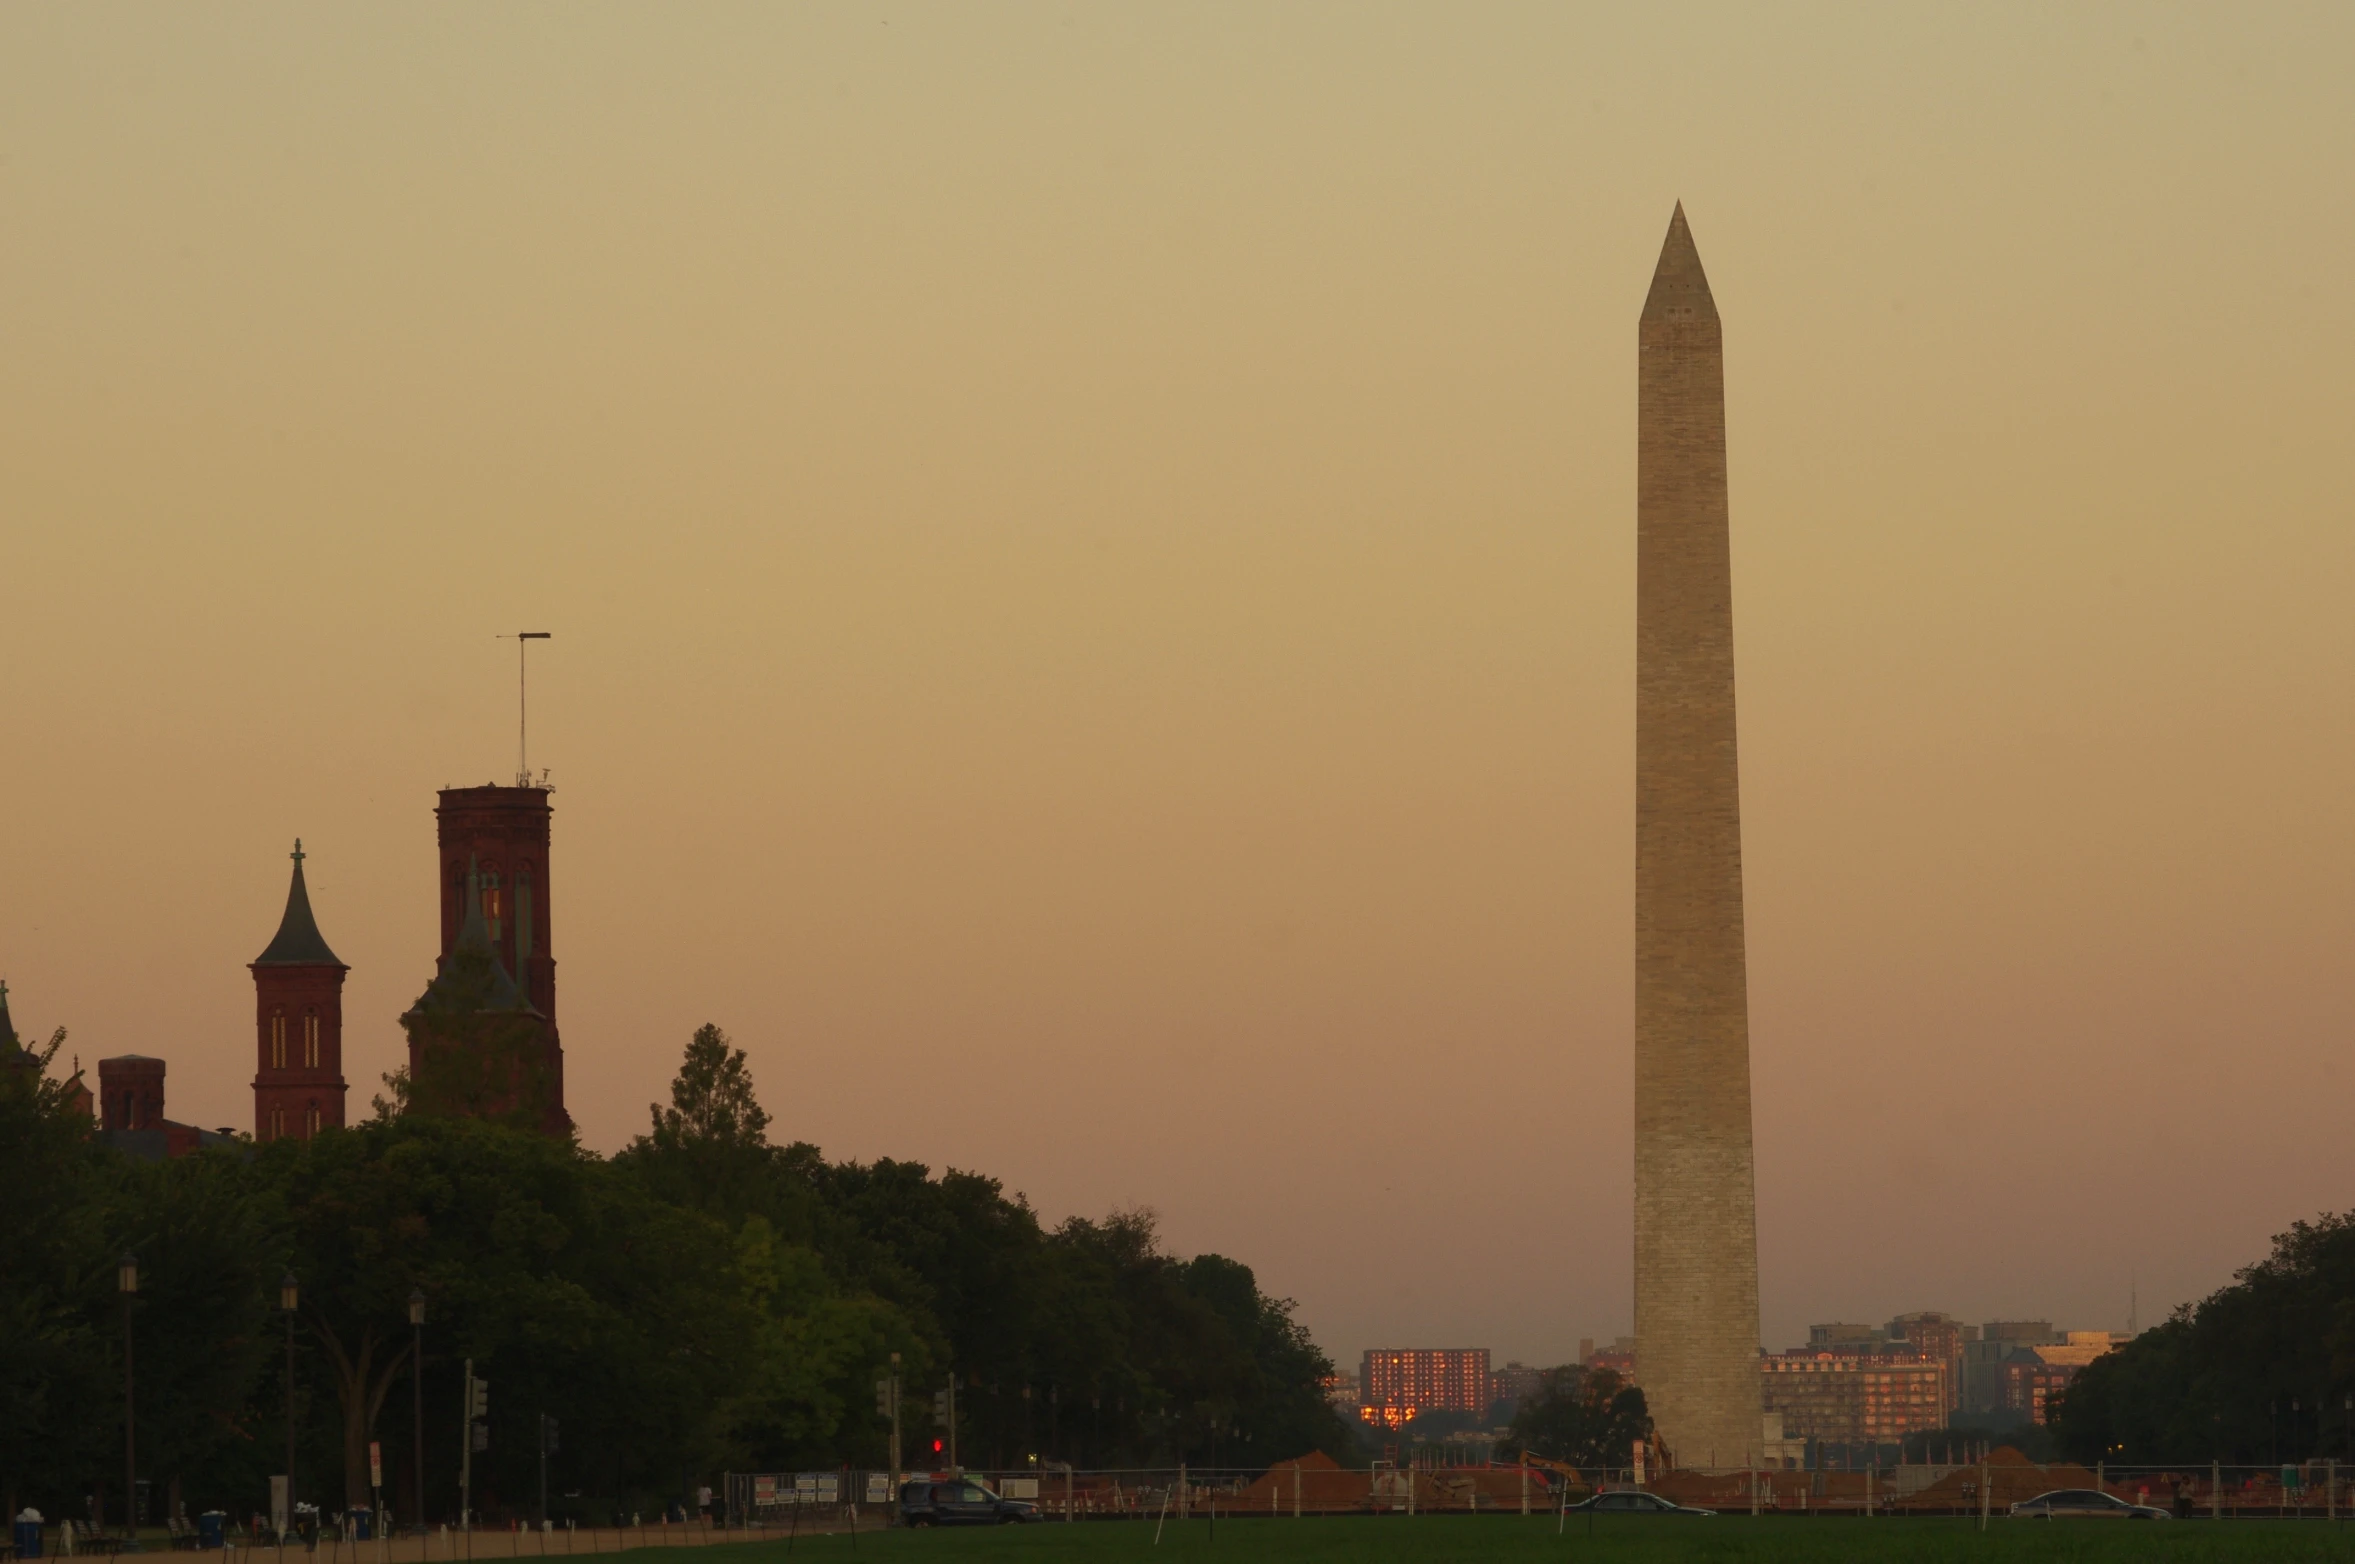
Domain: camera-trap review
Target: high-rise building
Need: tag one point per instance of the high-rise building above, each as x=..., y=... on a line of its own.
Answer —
x=298, y=1085
x=1853, y=1400
x=1934, y=1337
x=1398, y=1384
x=1986, y=1386
x=1515, y=1382
x=1696, y=1229
x=1618, y=1357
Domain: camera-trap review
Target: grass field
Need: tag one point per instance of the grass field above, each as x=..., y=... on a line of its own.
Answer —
x=1618, y=1540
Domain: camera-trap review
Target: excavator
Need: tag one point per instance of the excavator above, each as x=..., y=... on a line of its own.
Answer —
x=1559, y=1477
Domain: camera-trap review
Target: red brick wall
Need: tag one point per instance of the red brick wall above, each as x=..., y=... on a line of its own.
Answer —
x=131, y=1093
x=290, y=1090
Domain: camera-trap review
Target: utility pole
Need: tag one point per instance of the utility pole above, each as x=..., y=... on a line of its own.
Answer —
x=478, y=1406
x=127, y=1282
x=289, y=1300
x=466, y=1443
x=953, y=1466
x=888, y=1394
x=417, y=1404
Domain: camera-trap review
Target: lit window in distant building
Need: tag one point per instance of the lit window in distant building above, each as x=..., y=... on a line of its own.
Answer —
x=311, y=1039
x=278, y=1040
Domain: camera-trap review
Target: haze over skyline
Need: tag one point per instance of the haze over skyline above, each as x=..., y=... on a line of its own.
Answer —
x=1091, y=557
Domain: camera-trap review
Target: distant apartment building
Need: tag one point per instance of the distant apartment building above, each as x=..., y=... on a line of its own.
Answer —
x=2032, y=1375
x=1341, y=1391
x=1398, y=1384
x=1848, y=1341
x=1852, y=1398
x=1515, y=1382
x=1619, y=1357
x=1986, y=1387
x=1934, y=1337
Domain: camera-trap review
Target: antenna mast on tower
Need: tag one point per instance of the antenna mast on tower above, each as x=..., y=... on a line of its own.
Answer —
x=523, y=640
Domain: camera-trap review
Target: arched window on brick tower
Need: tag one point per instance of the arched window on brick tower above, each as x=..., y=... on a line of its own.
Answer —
x=300, y=1089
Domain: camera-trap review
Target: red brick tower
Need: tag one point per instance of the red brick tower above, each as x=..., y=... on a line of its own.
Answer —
x=500, y=834
x=131, y=1093
x=298, y=1088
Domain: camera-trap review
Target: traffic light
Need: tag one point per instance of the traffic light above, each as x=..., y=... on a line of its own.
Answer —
x=478, y=1399
x=936, y=1447
x=547, y=1434
x=883, y=1398
x=940, y=1408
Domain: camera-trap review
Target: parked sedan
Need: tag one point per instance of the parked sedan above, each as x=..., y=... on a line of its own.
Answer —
x=2084, y=1503
x=1633, y=1502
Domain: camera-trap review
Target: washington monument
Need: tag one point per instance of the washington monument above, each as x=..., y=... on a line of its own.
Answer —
x=1696, y=1228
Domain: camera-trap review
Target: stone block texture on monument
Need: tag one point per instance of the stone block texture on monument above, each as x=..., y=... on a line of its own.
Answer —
x=1696, y=1236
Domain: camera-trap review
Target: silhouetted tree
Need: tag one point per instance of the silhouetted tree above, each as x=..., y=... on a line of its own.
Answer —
x=1582, y=1416
x=2257, y=1371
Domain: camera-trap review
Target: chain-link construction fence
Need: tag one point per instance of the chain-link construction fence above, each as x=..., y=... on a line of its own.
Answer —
x=1314, y=1486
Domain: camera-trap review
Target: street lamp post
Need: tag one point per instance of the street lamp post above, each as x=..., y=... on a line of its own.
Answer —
x=417, y=1404
x=289, y=1299
x=127, y=1280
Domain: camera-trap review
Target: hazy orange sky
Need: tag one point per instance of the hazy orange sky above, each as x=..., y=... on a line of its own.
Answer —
x=1091, y=557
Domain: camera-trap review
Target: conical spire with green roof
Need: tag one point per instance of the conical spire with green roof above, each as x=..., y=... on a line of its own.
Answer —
x=298, y=942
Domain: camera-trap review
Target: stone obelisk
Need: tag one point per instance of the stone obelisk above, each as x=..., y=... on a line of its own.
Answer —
x=1696, y=1230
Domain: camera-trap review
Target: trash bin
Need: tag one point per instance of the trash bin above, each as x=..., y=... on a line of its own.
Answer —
x=363, y=1524
x=28, y=1533
x=212, y=1528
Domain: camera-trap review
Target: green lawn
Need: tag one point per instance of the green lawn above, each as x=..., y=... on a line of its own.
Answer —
x=1619, y=1540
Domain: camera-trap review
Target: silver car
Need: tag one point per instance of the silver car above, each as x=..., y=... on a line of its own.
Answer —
x=2084, y=1504
x=1632, y=1501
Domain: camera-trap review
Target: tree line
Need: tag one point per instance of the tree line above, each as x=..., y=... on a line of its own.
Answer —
x=703, y=1301
x=2262, y=1370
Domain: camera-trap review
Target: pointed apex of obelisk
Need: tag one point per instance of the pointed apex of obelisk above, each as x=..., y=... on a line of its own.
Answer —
x=1680, y=289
